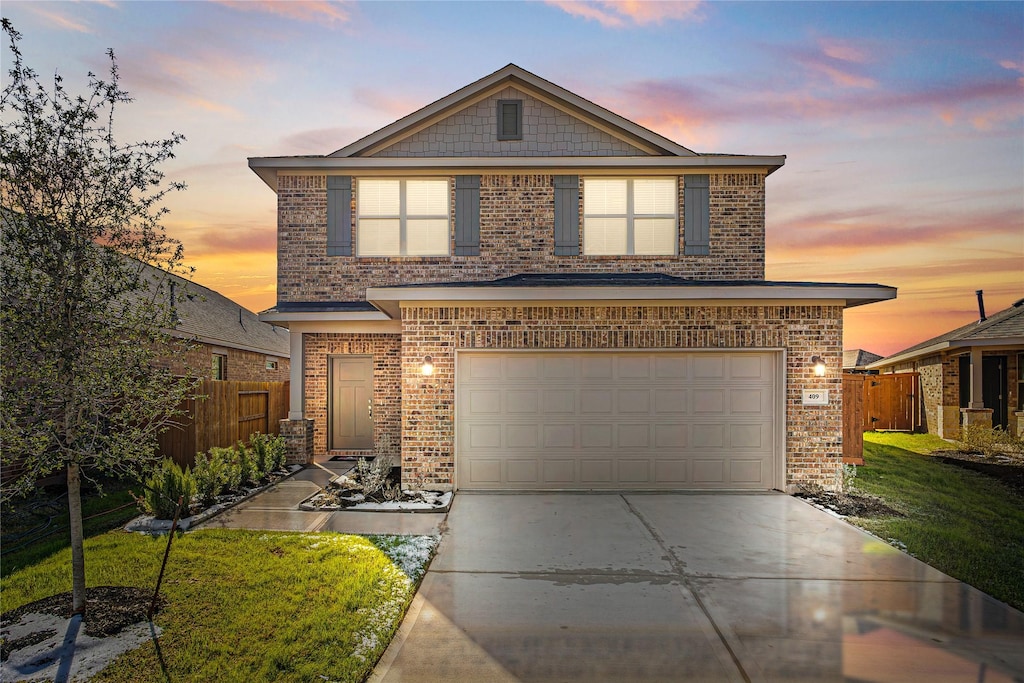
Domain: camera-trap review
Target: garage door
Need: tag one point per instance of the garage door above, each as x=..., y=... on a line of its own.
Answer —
x=616, y=420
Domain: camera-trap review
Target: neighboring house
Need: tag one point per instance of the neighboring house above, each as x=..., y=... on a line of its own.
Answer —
x=514, y=288
x=857, y=360
x=971, y=375
x=229, y=342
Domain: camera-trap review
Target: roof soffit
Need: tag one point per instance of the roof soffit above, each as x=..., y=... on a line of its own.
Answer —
x=531, y=84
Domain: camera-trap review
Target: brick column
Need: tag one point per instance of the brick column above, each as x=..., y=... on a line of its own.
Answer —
x=298, y=441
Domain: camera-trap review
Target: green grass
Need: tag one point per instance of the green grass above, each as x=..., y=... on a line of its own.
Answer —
x=963, y=523
x=101, y=514
x=247, y=605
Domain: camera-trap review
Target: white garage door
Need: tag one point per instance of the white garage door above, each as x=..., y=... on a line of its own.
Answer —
x=616, y=420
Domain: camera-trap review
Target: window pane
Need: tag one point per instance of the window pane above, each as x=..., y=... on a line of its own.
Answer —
x=604, y=197
x=509, y=119
x=426, y=197
x=426, y=237
x=378, y=197
x=654, y=196
x=654, y=236
x=604, y=236
x=378, y=237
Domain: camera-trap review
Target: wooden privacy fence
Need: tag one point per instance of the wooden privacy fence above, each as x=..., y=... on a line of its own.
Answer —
x=877, y=402
x=229, y=413
x=892, y=402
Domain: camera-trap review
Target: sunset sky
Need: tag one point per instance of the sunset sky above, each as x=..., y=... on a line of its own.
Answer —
x=903, y=123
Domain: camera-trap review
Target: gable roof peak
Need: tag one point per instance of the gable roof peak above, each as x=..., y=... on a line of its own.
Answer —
x=528, y=82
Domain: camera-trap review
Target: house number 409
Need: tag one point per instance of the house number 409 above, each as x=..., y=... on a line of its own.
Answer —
x=815, y=397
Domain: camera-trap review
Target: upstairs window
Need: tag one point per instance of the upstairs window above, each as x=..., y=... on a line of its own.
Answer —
x=402, y=217
x=630, y=216
x=510, y=119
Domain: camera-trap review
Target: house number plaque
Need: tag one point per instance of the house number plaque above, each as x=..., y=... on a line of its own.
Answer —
x=815, y=397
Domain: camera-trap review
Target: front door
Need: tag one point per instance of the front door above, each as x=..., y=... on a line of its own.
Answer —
x=993, y=386
x=350, y=402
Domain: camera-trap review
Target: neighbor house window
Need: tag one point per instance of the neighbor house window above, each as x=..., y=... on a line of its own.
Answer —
x=402, y=217
x=1020, y=381
x=271, y=365
x=220, y=366
x=630, y=216
x=510, y=119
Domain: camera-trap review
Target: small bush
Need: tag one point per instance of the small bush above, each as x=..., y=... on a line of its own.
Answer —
x=232, y=467
x=989, y=441
x=164, y=488
x=268, y=452
x=210, y=475
x=244, y=457
x=373, y=474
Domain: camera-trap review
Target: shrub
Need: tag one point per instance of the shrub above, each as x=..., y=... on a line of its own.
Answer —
x=210, y=475
x=243, y=456
x=268, y=452
x=232, y=467
x=989, y=441
x=164, y=488
x=373, y=474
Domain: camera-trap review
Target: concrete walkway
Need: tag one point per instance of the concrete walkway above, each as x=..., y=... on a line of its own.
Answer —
x=277, y=509
x=673, y=587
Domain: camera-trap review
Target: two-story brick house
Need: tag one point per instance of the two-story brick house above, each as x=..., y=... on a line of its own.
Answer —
x=514, y=288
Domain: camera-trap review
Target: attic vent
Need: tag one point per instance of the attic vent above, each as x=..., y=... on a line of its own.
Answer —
x=510, y=119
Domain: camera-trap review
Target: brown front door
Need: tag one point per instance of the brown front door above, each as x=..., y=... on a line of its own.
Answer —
x=350, y=402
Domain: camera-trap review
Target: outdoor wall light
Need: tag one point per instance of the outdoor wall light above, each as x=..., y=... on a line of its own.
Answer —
x=428, y=366
x=819, y=366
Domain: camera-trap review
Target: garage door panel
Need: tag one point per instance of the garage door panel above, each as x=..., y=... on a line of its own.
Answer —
x=521, y=401
x=596, y=435
x=633, y=400
x=607, y=420
x=559, y=435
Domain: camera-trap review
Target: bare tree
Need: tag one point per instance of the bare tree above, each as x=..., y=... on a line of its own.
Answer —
x=86, y=303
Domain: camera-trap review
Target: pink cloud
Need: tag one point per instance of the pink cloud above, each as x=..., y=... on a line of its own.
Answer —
x=321, y=140
x=620, y=13
x=316, y=11
x=843, y=51
x=59, y=20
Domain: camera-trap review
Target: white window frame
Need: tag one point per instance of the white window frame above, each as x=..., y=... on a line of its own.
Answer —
x=403, y=218
x=630, y=215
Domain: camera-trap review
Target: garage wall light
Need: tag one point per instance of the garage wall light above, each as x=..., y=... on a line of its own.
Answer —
x=819, y=366
x=428, y=366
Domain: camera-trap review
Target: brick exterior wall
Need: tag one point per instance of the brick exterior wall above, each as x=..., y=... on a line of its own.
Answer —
x=242, y=366
x=516, y=236
x=298, y=441
x=386, y=350
x=813, y=448
x=546, y=132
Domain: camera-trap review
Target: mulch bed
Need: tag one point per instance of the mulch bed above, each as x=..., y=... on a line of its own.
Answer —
x=108, y=611
x=849, y=504
x=1006, y=469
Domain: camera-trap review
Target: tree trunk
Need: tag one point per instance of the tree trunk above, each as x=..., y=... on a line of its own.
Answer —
x=77, y=551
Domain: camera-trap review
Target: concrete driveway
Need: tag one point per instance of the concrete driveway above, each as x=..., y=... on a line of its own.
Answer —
x=674, y=587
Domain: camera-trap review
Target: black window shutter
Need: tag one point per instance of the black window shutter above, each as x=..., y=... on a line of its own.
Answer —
x=467, y=215
x=696, y=215
x=339, y=215
x=567, y=215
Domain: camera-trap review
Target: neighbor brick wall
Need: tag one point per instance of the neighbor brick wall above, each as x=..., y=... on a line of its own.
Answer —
x=386, y=350
x=814, y=450
x=516, y=233
x=242, y=366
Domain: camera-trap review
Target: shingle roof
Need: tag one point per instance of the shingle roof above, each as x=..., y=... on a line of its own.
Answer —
x=211, y=317
x=856, y=358
x=1006, y=324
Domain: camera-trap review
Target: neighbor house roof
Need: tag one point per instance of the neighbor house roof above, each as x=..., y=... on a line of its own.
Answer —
x=858, y=358
x=210, y=317
x=1003, y=328
x=662, y=153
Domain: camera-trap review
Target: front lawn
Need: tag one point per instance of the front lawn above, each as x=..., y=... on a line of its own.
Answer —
x=249, y=605
x=963, y=523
